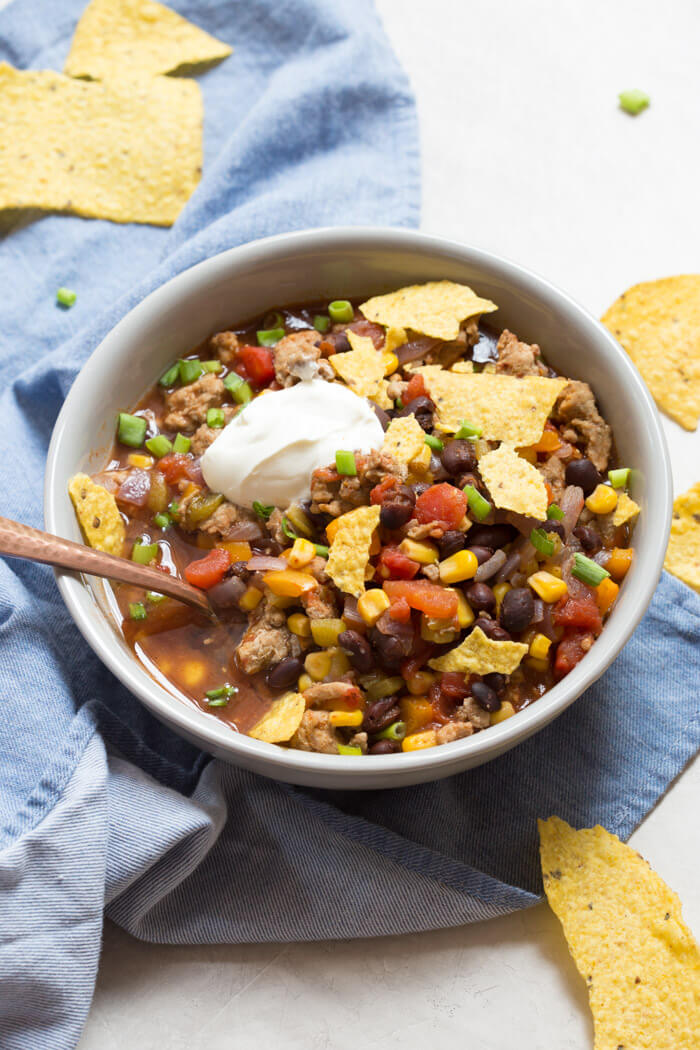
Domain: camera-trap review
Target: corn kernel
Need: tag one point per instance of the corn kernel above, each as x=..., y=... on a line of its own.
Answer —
x=440, y=632
x=250, y=599
x=506, y=710
x=299, y=625
x=423, y=553
x=137, y=459
x=465, y=613
x=420, y=682
x=325, y=632
x=298, y=520
x=382, y=686
x=537, y=665
x=548, y=587
x=371, y=605
x=305, y=682
x=619, y=561
x=340, y=664
x=302, y=553
x=288, y=583
x=193, y=673
x=239, y=551
x=500, y=591
x=602, y=500
x=346, y=718
x=278, y=601
x=391, y=362
x=318, y=665
x=419, y=741
x=539, y=647
x=459, y=566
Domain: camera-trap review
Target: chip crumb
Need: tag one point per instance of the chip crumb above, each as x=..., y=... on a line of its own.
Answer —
x=349, y=552
x=395, y=337
x=683, y=553
x=478, y=654
x=625, y=510
x=362, y=368
x=280, y=723
x=405, y=439
x=434, y=309
x=98, y=514
x=513, y=483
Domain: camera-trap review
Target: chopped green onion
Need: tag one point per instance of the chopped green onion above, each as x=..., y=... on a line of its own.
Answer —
x=238, y=388
x=341, y=311
x=288, y=530
x=434, y=442
x=162, y=520
x=221, y=696
x=468, y=431
x=588, y=571
x=347, y=749
x=322, y=551
x=174, y=508
x=554, y=513
x=65, y=297
x=159, y=445
x=633, y=101
x=619, y=478
x=345, y=464
x=137, y=611
x=131, y=430
x=273, y=319
x=181, y=444
x=270, y=336
x=154, y=598
x=144, y=553
x=322, y=323
x=215, y=418
x=212, y=366
x=262, y=510
x=541, y=542
x=480, y=507
x=396, y=731
x=190, y=370
x=398, y=403
x=170, y=377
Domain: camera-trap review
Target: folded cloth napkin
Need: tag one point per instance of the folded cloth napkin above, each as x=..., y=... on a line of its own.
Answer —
x=101, y=806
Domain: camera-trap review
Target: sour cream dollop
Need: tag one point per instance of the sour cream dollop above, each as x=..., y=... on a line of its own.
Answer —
x=268, y=452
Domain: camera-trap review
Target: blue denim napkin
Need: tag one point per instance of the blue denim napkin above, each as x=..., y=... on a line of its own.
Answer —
x=311, y=122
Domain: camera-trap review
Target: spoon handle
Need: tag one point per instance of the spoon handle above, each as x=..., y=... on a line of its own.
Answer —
x=21, y=541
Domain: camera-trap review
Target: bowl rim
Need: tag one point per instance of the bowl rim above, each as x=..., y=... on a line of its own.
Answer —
x=270, y=759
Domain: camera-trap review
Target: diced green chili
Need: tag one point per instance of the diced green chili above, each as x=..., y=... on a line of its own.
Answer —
x=322, y=323
x=215, y=418
x=542, y=542
x=181, y=444
x=348, y=749
x=212, y=366
x=170, y=377
x=633, y=101
x=270, y=336
x=588, y=571
x=201, y=507
x=238, y=388
x=66, y=297
x=131, y=430
x=262, y=510
x=434, y=442
x=144, y=553
x=341, y=311
x=345, y=464
x=190, y=370
x=554, y=513
x=322, y=551
x=159, y=445
x=468, y=431
x=619, y=478
x=480, y=507
x=137, y=611
x=154, y=598
x=377, y=690
x=162, y=520
x=174, y=509
x=396, y=731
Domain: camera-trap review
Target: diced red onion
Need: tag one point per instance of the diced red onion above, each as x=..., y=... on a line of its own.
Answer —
x=351, y=615
x=266, y=563
x=538, y=610
x=415, y=349
x=571, y=506
x=226, y=594
x=244, y=530
x=135, y=488
x=509, y=566
x=490, y=567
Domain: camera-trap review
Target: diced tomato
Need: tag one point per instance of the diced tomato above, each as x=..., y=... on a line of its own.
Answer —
x=178, y=465
x=430, y=598
x=259, y=363
x=448, y=692
x=208, y=571
x=422, y=652
x=415, y=388
x=441, y=503
x=395, y=565
x=386, y=487
x=579, y=610
x=571, y=650
x=400, y=610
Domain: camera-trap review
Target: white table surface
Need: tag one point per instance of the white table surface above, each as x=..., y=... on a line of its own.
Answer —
x=525, y=154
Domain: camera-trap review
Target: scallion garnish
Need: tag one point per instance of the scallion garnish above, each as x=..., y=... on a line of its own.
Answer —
x=159, y=445
x=154, y=598
x=468, y=431
x=542, y=542
x=396, y=731
x=322, y=551
x=554, y=513
x=215, y=418
x=190, y=370
x=480, y=507
x=162, y=520
x=220, y=697
x=434, y=442
x=65, y=297
x=345, y=464
x=131, y=430
x=398, y=403
x=619, y=478
x=322, y=323
x=288, y=530
x=262, y=509
x=137, y=611
x=212, y=366
x=170, y=377
x=349, y=749
x=144, y=553
x=270, y=336
x=181, y=444
x=341, y=311
x=174, y=508
x=633, y=101
x=238, y=388
x=588, y=571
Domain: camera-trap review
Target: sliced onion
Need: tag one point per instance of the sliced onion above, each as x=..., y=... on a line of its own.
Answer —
x=227, y=593
x=244, y=530
x=266, y=563
x=415, y=349
x=571, y=505
x=351, y=615
x=135, y=488
x=510, y=565
x=490, y=567
x=538, y=614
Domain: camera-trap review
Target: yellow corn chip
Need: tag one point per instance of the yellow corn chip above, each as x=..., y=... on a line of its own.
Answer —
x=349, y=551
x=625, y=931
x=433, y=309
x=115, y=39
x=625, y=510
x=394, y=337
x=683, y=554
x=478, y=654
x=465, y=367
x=281, y=721
x=658, y=323
x=98, y=515
x=513, y=483
x=405, y=439
x=128, y=152
x=362, y=368
x=506, y=408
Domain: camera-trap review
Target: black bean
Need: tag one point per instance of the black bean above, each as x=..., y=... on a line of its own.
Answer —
x=451, y=542
x=481, y=554
x=227, y=593
x=397, y=508
x=380, y=714
x=485, y=696
x=493, y=536
x=581, y=472
x=517, y=609
x=422, y=408
x=458, y=457
x=587, y=537
x=389, y=650
x=480, y=597
x=554, y=526
x=358, y=649
x=341, y=342
x=492, y=630
x=384, y=747
x=382, y=416
x=285, y=673
x=496, y=681
x=437, y=469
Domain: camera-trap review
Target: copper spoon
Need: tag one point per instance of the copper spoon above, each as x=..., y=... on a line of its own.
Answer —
x=21, y=541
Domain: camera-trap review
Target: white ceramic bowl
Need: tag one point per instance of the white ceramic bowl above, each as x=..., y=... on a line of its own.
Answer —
x=324, y=264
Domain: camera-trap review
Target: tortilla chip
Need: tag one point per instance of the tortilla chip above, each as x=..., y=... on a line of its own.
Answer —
x=98, y=514
x=683, y=554
x=658, y=323
x=514, y=484
x=405, y=439
x=115, y=39
x=362, y=368
x=507, y=409
x=627, y=936
x=281, y=721
x=625, y=510
x=477, y=654
x=465, y=367
x=127, y=152
x=349, y=551
x=395, y=337
x=433, y=309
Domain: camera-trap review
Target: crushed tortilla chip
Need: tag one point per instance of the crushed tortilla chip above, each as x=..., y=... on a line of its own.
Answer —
x=514, y=484
x=465, y=367
x=129, y=152
x=115, y=39
x=395, y=337
x=506, y=408
x=349, y=550
x=478, y=654
x=98, y=514
x=625, y=510
x=362, y=368
x=433, y=309
x=626, y=933
x=404, y=439
x=281, y=722
x=683, y=554
x=658, y=324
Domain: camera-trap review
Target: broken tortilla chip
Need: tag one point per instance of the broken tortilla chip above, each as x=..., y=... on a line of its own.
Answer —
x=463, y=367
x=349, y=550
x=625, y=510
x=98, y=514
x=683, y=554
x=395, y=337
x=128, y=152
x=478, y=654
x=362, y=368
x=435, y=309
x=658, y=324
x=281, y=721
x=115, y=39
x=626, y=933
x=405, y=439
x=514, y=484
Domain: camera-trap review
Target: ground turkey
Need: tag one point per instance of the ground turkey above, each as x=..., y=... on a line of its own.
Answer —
x=319, y=603
x=453, y=731
x=225, y=345
x=187, y=407
x=226, y=523
x=315, y=734
x=334, y=494
x=298, y=356
x=581, y=424
x=267, y=640
x=204, y=435
x=518, y=359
